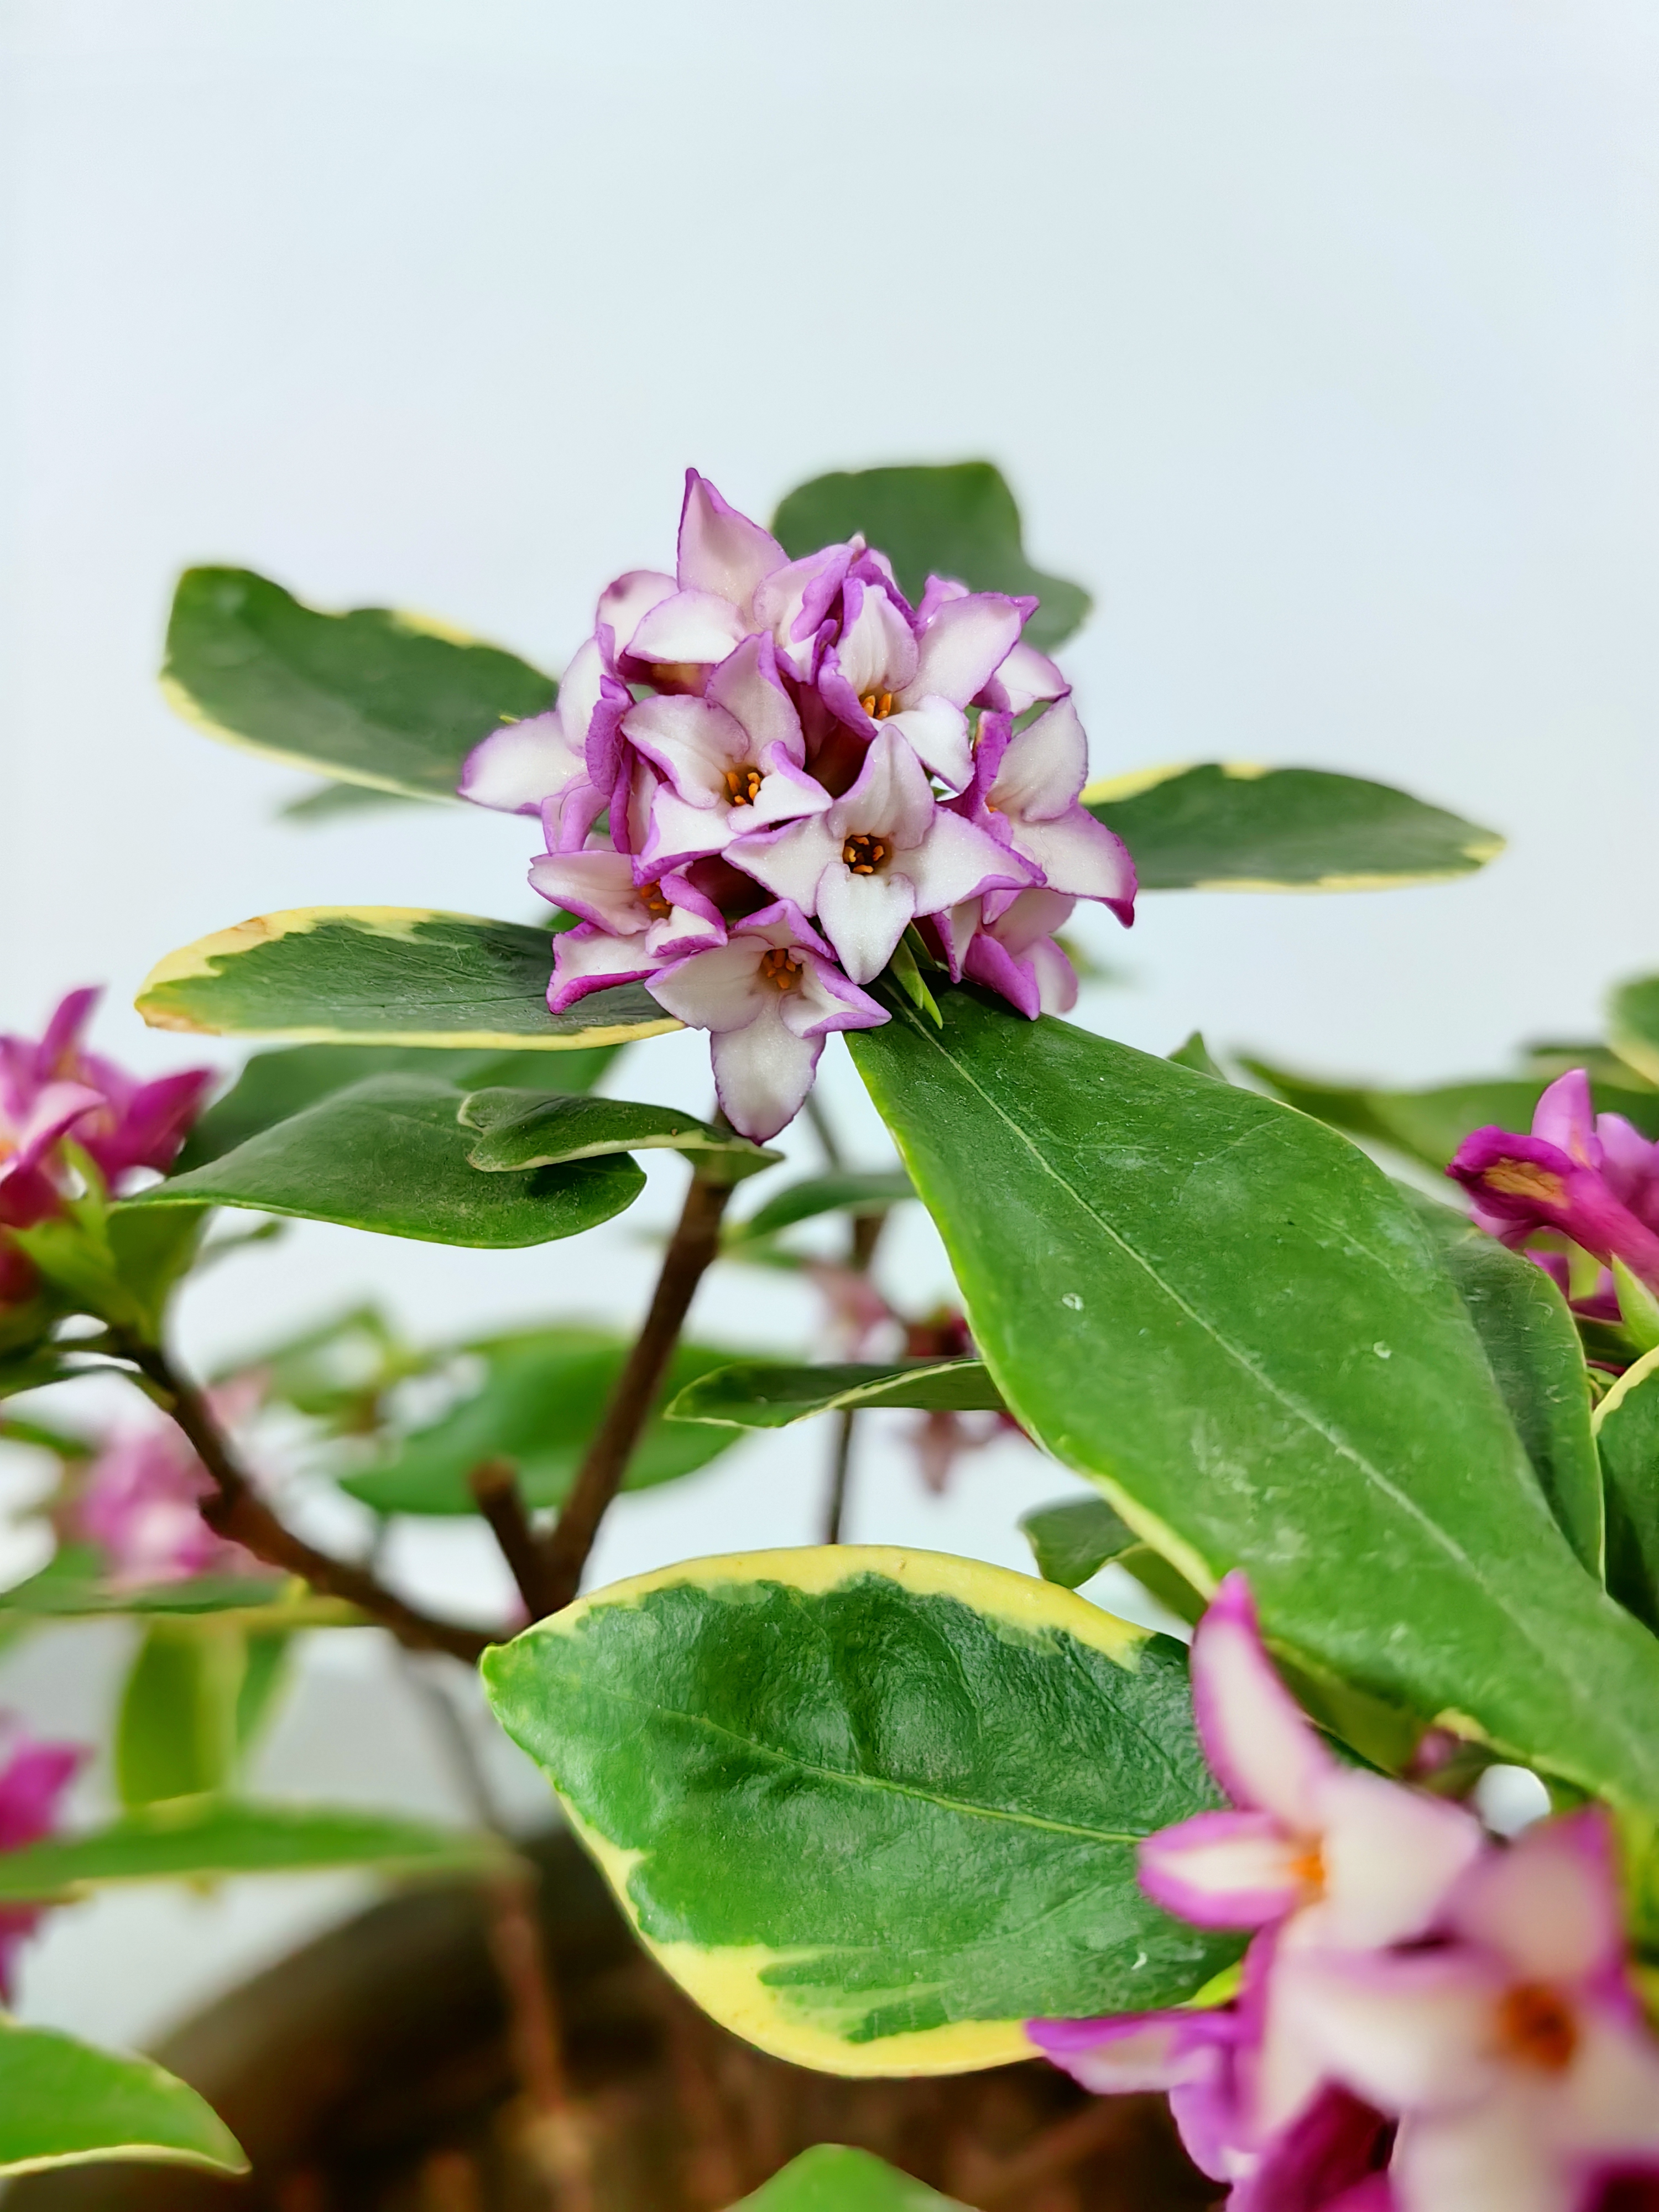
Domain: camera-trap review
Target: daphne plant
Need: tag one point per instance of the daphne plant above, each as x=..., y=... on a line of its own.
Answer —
x=885, y=1812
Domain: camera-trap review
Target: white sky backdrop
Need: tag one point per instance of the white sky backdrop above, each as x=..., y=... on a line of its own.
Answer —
x=1318, y=337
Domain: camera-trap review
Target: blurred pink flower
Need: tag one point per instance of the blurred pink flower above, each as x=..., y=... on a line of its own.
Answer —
x=141, y=1499
x=32, y=1782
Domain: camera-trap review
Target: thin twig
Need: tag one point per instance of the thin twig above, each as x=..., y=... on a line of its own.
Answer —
x=840, y=1467
x=556, y=2137
x=694, y=1244
x=494, y=1486
x=238, y=1512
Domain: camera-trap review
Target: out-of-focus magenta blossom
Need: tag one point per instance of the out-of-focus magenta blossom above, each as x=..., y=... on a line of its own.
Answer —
x=1592, y=1178
x=33, y=1779
x=1515, y=2053
x=768, y=996
x=754, y=730
x=51, y=1088
x=139, y=1503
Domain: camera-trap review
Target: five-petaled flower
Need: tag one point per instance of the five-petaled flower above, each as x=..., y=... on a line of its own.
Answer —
x=754, y=730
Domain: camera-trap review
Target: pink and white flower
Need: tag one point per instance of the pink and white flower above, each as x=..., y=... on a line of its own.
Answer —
x=769, y=996
x=1025, y=788
x=140, y=1503
x=33, y=1781
x=1515, y=2053
x=878, y=856
x=1014, y=951
x=629, y=929
x=542, y=764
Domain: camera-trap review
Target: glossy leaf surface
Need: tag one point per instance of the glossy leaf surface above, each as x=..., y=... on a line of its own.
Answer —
x=1532, y=1346
x=959, y=521
x=533, y=1127
x=65, y=2103
x=850, y=1190
x=542, y=1394
x=762, y=1393
x=873, y=1808
x=1227, y=1316
x=1627, y=1432
x=385, y=975
x=370, y=698
x=834, y=2178
x=176, y=1733
x=389, y=1154
x=1227, y=828
x=1633, y=1026
x=210, y=1837
x=275, y=1086
x=1075, y=1538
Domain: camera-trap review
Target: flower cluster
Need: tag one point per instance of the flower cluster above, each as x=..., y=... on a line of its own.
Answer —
x=1428, y=2021
x=139, y=1498
x=33, y=1779
x=791, y=765
x=1590, y=1178
x=51, y=1090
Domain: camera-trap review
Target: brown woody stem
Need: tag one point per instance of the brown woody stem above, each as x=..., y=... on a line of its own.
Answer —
x=693, y=1245
x=495, y=1487
x=237, y=1511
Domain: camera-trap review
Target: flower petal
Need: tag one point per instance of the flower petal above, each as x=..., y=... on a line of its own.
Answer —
x=864, y=916
x=1042, y=768
x=694, y=743
x=1391, y=1856
x=1262, y=1748
x=1225, y=1869
x=937, y=732
x=746, y=684
x=1549, y=1904
x=588, y=959
x=1079, y=856
x=693, y=626
x=966, y=639
x=624, y=604
x=791, y=862
x=1409, y=2031
x=876, y=650
x=719, y=549
x=598, y=886
x=517, y=767
x=955, y=861
x=1485, y=2158
x=763, y=1073
x=1562, y=1116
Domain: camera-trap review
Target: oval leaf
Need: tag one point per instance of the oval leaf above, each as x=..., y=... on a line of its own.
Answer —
x=1627, y=1432
x=64, y=2103
x=532, y=1128
x=371, y=697
x=385, y=975
x=873, y=1808
x=849, y=1190
x=1074, y=1539
x=959, y=521
x=1223, y=826
x=544, y=1394
x=833, y=2178
x=390, y=1155
x=195, y=1838
x=1227, y=1315
x=762, y=1394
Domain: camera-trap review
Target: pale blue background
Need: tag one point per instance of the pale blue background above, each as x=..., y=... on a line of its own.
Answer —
x=1318, y=337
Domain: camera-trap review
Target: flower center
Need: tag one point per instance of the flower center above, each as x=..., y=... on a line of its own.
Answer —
x=1535, y=2026
x=652, y=899
x=743, y=786
x=863, y=854
x=780, y=968
x=1525, y=1179
x=878, y=704
x=1306, y=1869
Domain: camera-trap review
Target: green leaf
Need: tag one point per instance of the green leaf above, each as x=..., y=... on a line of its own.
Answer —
x=852, y=1190
x=1193, y=1052
x=1638, y=1309
x=1627, y=1424
x=833, y=2178
x=1074, y=1539
x=268, y=1655
x=64, y=2102
x=1633, y=1026
x=385, y=975
x=1227, y=1316
x=1223, y=826
x=274, y=1086
x=38, y=1365
x=542, y=1396
x=72, y=1584
x=958, y=522
x=390, y=1155
x=538, y=1128
x=1532, y=1346
x=204, y=1838
x=871, y=1809
x=175, y=1735
x=763, y=1393
x=371, y=697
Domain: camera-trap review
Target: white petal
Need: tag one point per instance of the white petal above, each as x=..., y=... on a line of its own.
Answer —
x=961, y=645
x=719, y=990
x=1391, y=1857
x=1260, y=1744
x=955, y=861
x=785, y=794
x=692, y=741
x=625, y=605
x=1607, y=2105
x=593, y=957
x=1408, y=2032
x=864, y=917
x=692, y=626
x=790, y=862
x=678, y=831
x=597, y=885
x=891, y=798
x=764, y=1072
x=520, y=765
x=876, y=652
x=1030, y=918
x=1077, y=855
x=1027, y=676
x=744, y=685
x=937, y=732
x=1045, y=766
x=1485, y=2159
x=1550, y=1903
x=720, y=550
